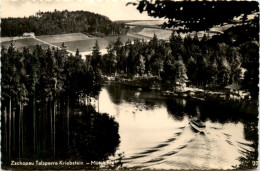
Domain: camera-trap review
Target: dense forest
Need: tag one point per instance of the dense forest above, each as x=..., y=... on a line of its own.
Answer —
x=46, y=109
x=209, y=61
x=58, y=22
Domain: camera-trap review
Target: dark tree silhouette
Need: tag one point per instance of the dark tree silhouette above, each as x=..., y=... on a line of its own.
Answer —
x=198, y=15
x=41, y=91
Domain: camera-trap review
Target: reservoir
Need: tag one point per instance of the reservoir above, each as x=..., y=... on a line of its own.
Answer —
x=155, y=132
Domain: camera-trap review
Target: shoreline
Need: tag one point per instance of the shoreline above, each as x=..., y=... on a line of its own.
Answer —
x=237, y=100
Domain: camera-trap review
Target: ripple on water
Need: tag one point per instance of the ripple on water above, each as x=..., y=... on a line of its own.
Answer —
x=190, y=150
x=161, y=145
x=135, y=157
x=154, y=160
x=149, y=151
x=170, y=153
x=171, y=139
x=153, y=140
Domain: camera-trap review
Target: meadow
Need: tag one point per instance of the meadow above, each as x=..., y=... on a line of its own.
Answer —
x=160, y=33
x=165, y=34
x=147, y=28
x=85, y=43
x=73, y=41
x=59, y=38
x=25, y=42
x=221, y=29
x=150, y=23
x=88, y=44
x=6, y=39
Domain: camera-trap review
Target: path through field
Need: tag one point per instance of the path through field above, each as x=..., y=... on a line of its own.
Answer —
x=83, y=54
x=138, y=36
x=51, y=45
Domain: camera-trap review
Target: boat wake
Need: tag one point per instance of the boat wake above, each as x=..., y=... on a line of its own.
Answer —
x=215, y=149
x=159, y=153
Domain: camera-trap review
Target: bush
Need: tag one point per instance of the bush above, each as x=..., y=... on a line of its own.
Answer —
x=94, y=136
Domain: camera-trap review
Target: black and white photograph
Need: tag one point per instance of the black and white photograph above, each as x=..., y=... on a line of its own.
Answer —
x=129, y=85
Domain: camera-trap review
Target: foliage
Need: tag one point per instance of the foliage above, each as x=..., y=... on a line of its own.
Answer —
x=187, y=59
x=94, y=137
x=180, y=71
x=251, y=157
x=250, y=53
x=198, y=15
x=239, y=33
x=58, y=22
x=96, y=56
x=41, y=91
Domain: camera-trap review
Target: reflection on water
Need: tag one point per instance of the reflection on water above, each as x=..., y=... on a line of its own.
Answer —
x=155, y=131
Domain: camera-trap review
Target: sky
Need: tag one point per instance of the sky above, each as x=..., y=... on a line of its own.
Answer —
x=114, y=9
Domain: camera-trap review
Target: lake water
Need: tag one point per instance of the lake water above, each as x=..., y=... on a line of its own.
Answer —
x=155, y=132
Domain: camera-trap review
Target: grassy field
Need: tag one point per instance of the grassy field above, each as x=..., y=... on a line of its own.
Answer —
x=6, y=39
x=88, y=44
x=59, y=38
x=143, y=28
x=26, y=42
x=160, y=33
x=73, y=41
x=84, y=43
x=221, y=29
x=146, y=23
x=165, y=34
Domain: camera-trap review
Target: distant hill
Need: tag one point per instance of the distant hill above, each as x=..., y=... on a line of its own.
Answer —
x=239, y=34
x=60, y=22
x=128, y=21
x=142, y=23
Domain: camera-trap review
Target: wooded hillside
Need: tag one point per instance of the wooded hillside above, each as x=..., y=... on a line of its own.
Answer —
x=58, y=22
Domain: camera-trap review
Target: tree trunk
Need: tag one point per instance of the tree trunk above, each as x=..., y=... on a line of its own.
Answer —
x=6, y=134
x=45, y=124
x=34, y=121
x=54, y=129
x=51, y=124
x=10, y=125
x=19, y=130
x=14, y=130
x=68, y=120
x=22, y=122
x=38, y=129
x=117, y=70
x=159, y=71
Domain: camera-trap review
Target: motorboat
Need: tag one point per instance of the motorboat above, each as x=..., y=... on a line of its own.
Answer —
x=197, y=125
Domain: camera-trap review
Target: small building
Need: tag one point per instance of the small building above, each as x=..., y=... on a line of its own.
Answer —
x=233, y=87
x=234, y=92
x=28, y=34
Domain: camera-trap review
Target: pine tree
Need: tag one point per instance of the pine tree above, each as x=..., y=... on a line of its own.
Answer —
x=176, y=44
x=180, y=71
x=96, y=57
x=112, y=62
